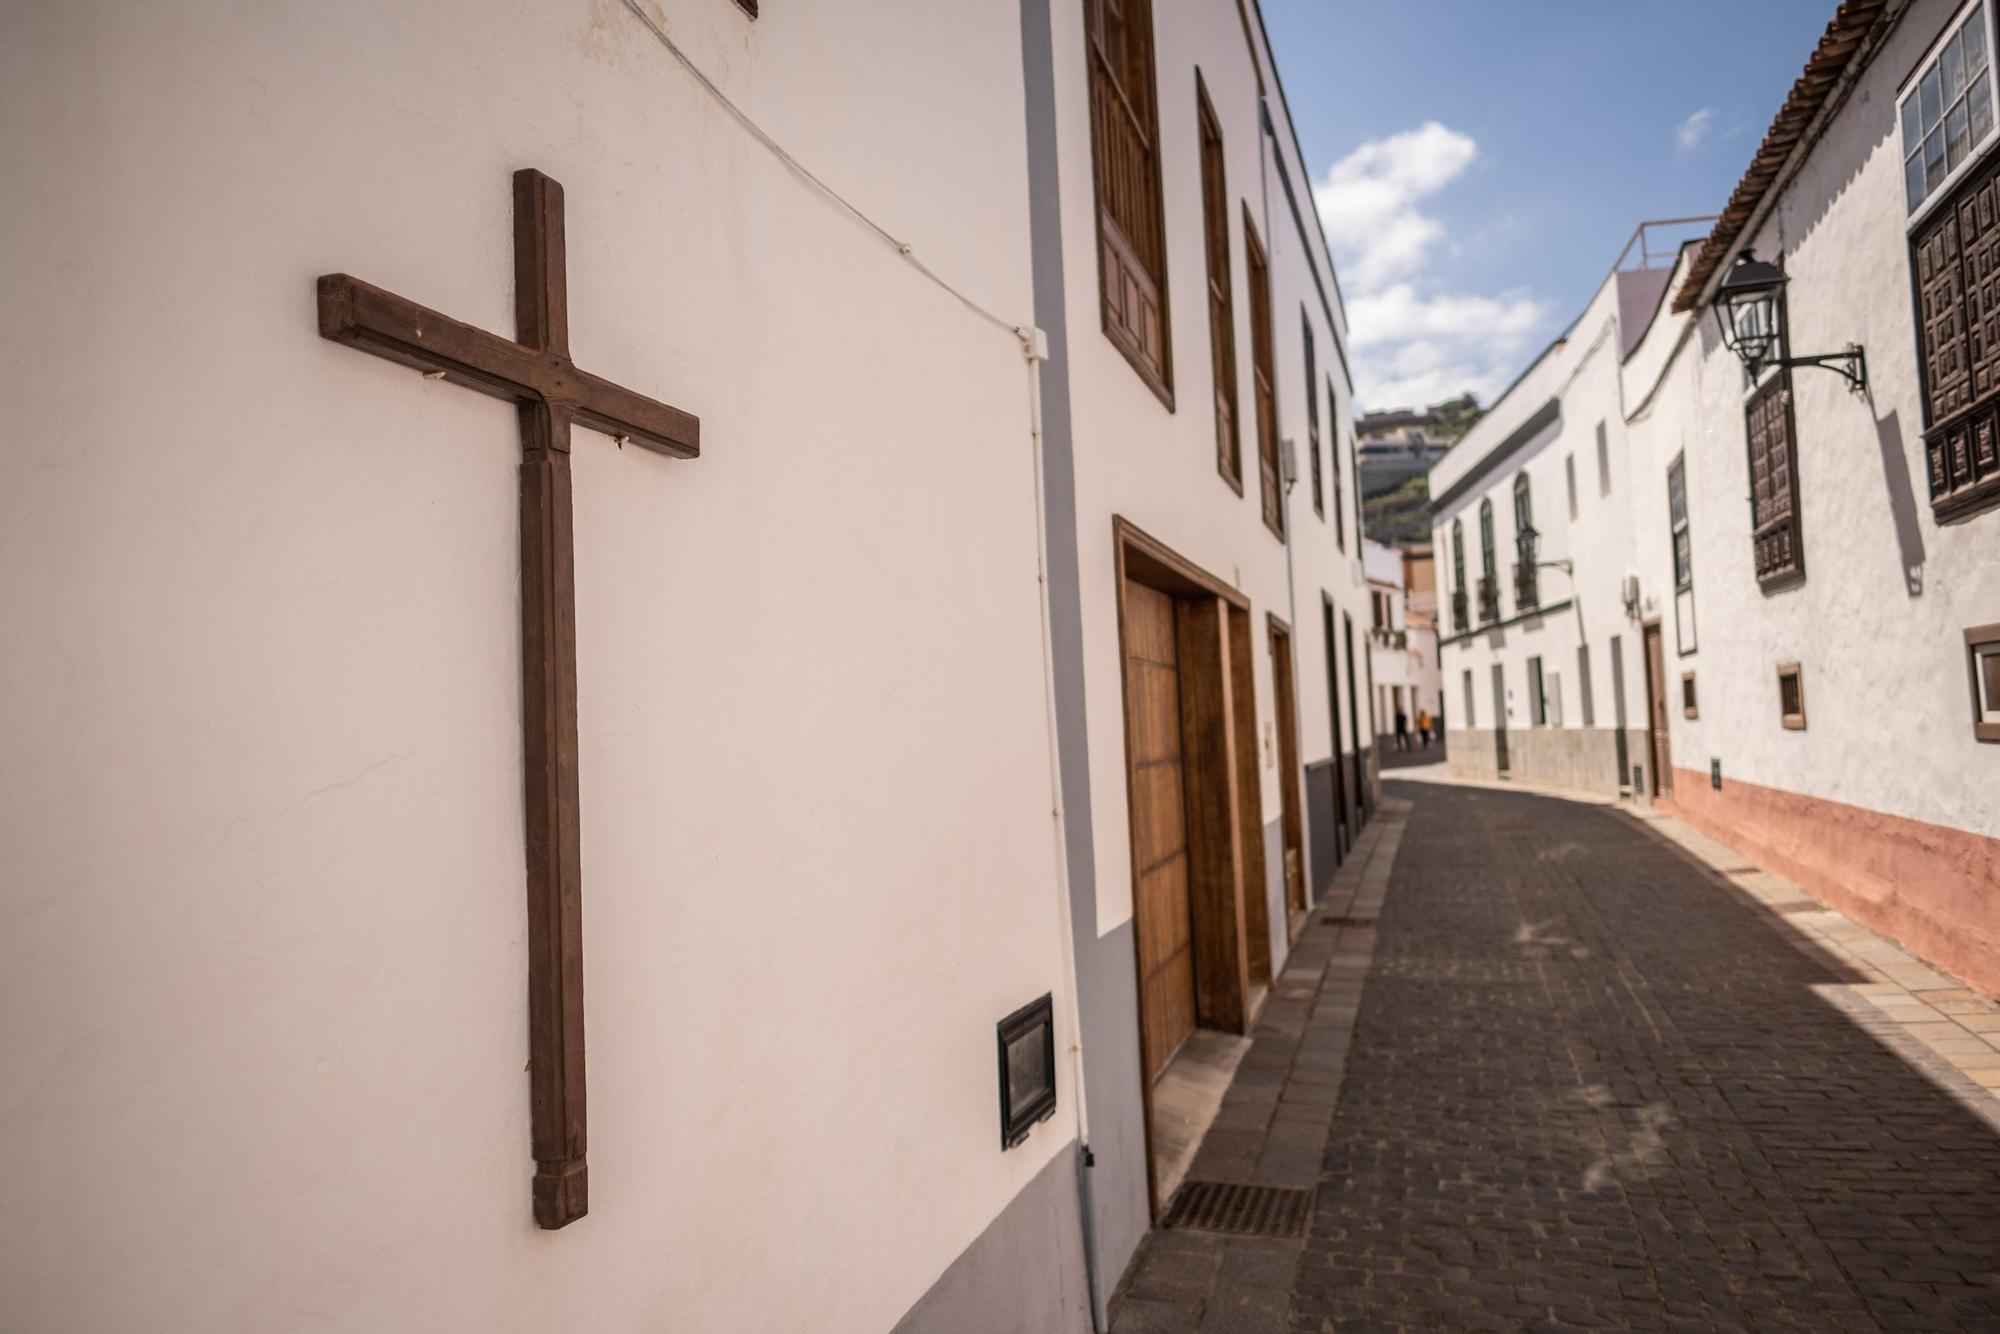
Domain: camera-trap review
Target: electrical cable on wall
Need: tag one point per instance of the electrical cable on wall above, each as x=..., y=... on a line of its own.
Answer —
x=805, y=173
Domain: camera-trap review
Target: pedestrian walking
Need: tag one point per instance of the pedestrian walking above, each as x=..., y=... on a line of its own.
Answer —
x=1402, y=730
x=1424, y=727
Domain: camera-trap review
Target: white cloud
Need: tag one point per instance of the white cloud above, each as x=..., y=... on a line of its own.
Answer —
x=1693, y=130
x=1369, y=200
x=1415, y=341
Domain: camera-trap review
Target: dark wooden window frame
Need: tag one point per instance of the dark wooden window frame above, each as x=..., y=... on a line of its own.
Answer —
x=1312, y=413
x=1777, y=540
x=1679, y=528
x=1982, y=641
x=1489, y=569
x=1264, y=378
x=1121, y=256
x=1527, y=584
x=1221, y=292
x=1794, y=718
x=1333, y=458
x=1690, y=703
x=1953, y=279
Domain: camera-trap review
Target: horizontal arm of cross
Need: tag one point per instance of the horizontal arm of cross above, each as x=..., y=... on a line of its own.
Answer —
x=390, y=326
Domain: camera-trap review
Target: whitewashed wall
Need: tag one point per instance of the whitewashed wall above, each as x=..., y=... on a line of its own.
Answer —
x=262, y=988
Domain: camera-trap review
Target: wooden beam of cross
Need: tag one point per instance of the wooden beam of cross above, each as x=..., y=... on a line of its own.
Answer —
x=535, y=373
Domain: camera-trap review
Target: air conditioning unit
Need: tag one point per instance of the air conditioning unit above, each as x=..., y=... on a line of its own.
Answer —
x=1630, y=591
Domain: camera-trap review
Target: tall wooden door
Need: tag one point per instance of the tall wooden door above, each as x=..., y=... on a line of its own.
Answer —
x=1159, y=826
x=1286, y=707
x=1500, y=718
x=1656, y=714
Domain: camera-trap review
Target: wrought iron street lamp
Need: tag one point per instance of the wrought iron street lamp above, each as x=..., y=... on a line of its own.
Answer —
x=1750, y=314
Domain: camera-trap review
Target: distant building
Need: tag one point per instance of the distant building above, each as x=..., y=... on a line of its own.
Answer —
x=1395, y=445
x=1402, y=637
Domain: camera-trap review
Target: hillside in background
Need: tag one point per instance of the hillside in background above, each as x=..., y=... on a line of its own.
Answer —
x=1400, y=517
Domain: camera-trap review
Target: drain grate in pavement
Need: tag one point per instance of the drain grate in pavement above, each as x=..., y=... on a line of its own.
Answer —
x=1245, y=1211
x=1347, y=921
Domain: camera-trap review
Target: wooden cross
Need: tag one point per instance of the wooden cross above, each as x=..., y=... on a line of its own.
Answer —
x=536, y=374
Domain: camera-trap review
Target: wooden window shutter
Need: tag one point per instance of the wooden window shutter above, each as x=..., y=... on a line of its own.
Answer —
x=1264, y=374
x=1956, y=255
x=1312, y=413
x=1125, y=140
x=1221, y=300
x=1779, y=555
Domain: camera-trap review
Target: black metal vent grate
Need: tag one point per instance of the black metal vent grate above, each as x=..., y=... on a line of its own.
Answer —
x=1244, y=1211
x=1347, y=921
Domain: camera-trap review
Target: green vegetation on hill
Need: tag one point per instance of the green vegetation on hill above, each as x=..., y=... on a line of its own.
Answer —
x=1400, y=517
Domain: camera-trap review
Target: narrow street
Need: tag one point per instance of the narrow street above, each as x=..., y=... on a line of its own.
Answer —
x=1590, y=1081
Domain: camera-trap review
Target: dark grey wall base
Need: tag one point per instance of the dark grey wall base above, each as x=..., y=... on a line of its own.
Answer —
x=1024, y=1274
x=1584, y=758
x=1323, y=850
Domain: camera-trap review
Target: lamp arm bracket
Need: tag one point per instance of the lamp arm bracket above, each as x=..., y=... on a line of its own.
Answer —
x=1851, y=366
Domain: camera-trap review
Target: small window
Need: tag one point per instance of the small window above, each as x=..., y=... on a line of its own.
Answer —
x=1677, y=521
x=1471, y=713
x=1603, y=461
x=1947, y=110
x=1569, y=477
x=1538, y=705
x=1688, y=709
x=1792, y=697
x=1982, y=650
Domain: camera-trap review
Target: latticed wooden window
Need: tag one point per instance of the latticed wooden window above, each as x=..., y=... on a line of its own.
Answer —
x=1125, y=135
x=1956, y=253
x=1221, y=307
x=1312, y=414
x=1339, y=498
x=1265, y=377
x=1774, y=503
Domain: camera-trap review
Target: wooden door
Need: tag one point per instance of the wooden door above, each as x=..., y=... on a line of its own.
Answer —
x=1500, y=717
x=1159, y=826
x=1286, y=708
x=1656, y=714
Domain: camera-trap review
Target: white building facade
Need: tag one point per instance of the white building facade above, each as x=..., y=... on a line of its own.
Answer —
x=1807, y=645
x=799, y=622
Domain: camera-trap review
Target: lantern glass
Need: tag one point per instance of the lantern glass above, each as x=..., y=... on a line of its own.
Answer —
x=1747, y=310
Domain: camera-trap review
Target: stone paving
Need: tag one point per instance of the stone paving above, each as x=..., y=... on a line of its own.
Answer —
x=1593, y=1073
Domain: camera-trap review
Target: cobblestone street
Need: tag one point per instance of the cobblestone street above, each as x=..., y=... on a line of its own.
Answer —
x=1591, y=1082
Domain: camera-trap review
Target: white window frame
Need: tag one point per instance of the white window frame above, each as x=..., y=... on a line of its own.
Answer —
x=1911, y=88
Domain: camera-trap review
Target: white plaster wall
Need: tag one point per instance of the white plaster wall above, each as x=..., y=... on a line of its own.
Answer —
x=1156, y=468
x=262, y=988
x=1878, y=622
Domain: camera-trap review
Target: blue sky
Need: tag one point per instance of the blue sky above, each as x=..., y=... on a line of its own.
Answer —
x=1479, y=163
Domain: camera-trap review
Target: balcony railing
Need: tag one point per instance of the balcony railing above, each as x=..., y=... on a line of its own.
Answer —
x=1527, y=588
x=1460, y=619
x=1489, y=599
